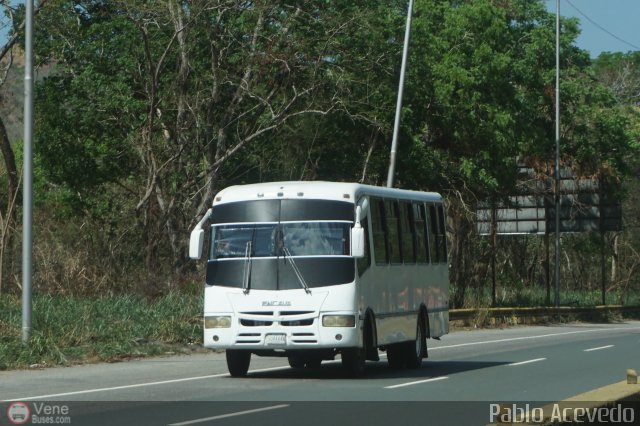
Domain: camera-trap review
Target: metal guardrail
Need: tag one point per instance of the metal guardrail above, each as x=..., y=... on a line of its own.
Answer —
x=541, y=312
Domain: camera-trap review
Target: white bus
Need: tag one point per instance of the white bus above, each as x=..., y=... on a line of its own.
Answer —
x=310, y=270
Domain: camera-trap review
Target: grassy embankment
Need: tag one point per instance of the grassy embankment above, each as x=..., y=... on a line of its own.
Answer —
x=525, y=297
x=69, y=330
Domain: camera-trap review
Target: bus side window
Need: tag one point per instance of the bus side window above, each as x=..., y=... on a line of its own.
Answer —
x=380, y=238
x=393, y=226
x=433, y=234
x=442, y=236
x=420, y=227
x=408, y=233
x=365, y=262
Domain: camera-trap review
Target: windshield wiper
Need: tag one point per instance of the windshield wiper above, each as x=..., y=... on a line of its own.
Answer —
x=296, y=270
x=247, y=268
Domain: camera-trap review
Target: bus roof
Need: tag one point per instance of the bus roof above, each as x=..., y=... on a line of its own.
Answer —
x=314, y=190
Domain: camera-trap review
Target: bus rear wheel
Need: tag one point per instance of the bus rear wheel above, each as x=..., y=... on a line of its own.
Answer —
x=313, y=362
x=297, y=361
x=408, y=354
x=415, y=351
x=238, y=362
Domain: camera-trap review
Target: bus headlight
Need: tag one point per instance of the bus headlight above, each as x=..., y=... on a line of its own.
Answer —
x=339, y=321
x=217, y=322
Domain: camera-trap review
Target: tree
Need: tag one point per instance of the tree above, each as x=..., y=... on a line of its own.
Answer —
x=481, y=98
x=161, y=101
x=620, y=73
x=13, y=23
x=150, y=109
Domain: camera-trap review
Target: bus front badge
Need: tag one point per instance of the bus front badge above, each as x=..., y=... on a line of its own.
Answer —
x=275, y=339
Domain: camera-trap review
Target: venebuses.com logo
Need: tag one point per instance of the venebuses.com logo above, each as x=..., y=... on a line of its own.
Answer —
x=19, y=413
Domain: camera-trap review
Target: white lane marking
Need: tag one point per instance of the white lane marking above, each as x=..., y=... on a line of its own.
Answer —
x=137, y=385
x=598, y=348
x=541, y=336
x=224, y=416
x=435, y=379
x=284, y=368
x=526, y=362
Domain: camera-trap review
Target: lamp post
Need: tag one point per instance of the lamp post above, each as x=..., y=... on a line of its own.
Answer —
x=396, y=124
x=27, y=206
x=557, y=165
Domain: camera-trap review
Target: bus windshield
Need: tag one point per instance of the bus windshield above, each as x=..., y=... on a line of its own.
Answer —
x=269, y=240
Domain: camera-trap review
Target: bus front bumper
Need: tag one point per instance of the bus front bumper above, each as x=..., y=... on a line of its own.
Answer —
x=278, y=337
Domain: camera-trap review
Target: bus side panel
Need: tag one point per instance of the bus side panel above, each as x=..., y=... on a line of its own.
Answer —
x=395, y=293
x=438, y=301
x=438, y=323
x=396, y=328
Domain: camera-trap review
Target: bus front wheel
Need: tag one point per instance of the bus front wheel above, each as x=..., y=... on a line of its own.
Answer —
x=238, y=362
x=354, y=359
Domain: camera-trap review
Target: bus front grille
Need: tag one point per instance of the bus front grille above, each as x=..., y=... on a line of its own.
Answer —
x=302, y=338
x=255, y=323
x=248, y=338
x=283, y=318
x=301, y=323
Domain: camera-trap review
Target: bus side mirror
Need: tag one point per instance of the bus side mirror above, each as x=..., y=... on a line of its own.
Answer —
x=357, y=241
x=195, y=243
x=197, y=237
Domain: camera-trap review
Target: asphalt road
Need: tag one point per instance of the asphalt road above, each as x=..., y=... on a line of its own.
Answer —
x=466, y=372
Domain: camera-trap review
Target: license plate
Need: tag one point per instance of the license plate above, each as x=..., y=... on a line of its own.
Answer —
x=275, y=339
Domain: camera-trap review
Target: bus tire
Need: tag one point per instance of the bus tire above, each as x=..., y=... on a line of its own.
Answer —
x=309, y=361
x=313, y=362
x=296, y=361
x=354, y=359
x=396, y=356
x=415, y=351
x=238, y=362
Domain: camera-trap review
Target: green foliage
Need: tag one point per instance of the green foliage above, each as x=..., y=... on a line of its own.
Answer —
x=149, y=108
x=620, y=72
x=88, y=107
x=481, y=91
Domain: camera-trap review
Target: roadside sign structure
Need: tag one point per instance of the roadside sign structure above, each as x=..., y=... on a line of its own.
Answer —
x=586, y=204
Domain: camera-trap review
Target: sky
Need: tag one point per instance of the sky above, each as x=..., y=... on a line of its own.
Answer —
x=606, y=25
